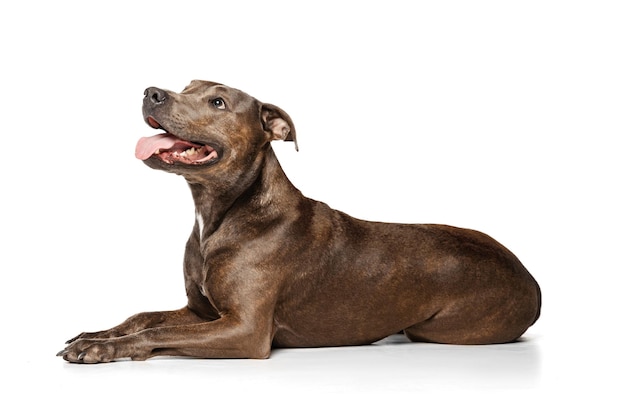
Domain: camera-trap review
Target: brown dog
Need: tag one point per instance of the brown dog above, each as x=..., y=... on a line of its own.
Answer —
x=265, y=266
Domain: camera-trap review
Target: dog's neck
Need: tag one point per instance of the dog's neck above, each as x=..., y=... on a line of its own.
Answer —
x=267, y=191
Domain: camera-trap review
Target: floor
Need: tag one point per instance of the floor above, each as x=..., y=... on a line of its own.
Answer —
x=391, y=376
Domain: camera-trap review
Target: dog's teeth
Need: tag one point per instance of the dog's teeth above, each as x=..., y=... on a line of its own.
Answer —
x=189, y=152
x=186, y=153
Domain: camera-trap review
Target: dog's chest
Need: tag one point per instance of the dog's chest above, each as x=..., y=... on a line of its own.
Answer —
x=201, y=224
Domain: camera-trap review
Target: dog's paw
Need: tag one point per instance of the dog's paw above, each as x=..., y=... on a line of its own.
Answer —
x=78, y=337
x=100, y=335
x=98, y=350
x=89, y=351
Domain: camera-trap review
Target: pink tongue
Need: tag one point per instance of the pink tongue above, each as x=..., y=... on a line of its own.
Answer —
x=151, y=144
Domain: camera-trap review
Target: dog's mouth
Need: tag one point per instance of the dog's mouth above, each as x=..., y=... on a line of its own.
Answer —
x=172, y=149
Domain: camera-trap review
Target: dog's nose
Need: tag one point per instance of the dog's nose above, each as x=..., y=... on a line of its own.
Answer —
x=155, y=95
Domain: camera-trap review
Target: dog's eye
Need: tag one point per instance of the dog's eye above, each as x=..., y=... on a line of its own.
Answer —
x=219, y=103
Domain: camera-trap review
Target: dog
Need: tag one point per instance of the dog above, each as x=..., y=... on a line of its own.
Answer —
x=267, y=267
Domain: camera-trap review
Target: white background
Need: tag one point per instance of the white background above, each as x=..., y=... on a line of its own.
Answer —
x=506, y=117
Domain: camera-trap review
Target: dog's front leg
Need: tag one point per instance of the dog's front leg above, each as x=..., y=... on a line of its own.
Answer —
x=227, y=337
x=142, y=321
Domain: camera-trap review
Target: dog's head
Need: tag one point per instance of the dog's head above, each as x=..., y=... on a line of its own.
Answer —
x=209, y=128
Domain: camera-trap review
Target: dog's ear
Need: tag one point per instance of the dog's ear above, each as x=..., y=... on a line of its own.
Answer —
x=278, y=123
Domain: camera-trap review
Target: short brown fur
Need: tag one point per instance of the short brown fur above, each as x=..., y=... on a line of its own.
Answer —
x=265, y=266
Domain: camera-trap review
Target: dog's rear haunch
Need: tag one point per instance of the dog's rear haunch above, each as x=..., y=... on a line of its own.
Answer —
x=265, y=266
